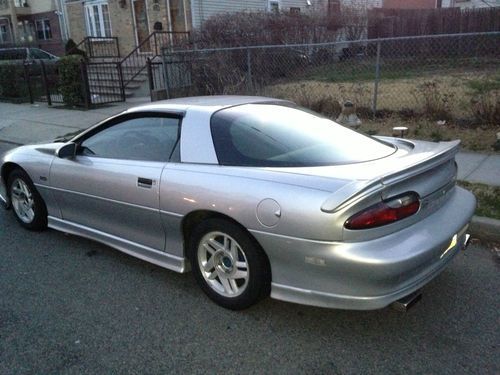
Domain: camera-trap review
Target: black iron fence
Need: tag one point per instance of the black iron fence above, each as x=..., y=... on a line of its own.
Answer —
x=104, y=82
x=98, y=83
x=98, y=47
x=134, y=63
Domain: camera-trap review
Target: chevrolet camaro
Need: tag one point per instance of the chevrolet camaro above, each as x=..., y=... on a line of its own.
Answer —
x=256, y=196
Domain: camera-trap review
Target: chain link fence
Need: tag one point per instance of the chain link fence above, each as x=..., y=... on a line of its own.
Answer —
x=453, y=75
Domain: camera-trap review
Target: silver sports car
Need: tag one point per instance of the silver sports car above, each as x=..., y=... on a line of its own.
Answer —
x=256, y=196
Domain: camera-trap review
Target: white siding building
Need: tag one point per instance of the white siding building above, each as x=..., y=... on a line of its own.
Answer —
x=204, y=9
x=464, y=4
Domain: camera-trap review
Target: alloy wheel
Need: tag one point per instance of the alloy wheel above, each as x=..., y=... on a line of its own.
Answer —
x=223, y=264
x=23, y=201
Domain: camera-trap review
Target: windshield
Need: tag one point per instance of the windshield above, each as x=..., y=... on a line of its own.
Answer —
x=271, y=135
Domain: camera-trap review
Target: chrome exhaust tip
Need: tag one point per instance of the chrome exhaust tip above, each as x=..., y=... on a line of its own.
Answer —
x=466, y=241
x=405, y=303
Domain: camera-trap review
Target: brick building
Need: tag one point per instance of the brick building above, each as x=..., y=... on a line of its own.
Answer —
x=33, y=22
x=133, y=20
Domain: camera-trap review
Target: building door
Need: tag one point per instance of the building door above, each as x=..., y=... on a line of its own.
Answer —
x=141, y=24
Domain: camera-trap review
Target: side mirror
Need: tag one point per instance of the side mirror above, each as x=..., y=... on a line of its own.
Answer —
x=67, y=151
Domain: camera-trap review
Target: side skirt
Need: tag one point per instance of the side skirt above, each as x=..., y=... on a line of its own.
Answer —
x=148, y=254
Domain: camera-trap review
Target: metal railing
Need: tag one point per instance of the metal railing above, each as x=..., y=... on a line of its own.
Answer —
x=30, y=82
x=99, y=83
x=103, y=47
x=135, y=62
x=441, y=74
x=104, y=83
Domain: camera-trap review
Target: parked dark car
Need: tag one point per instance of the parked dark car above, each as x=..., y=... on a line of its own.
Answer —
x=25, y=54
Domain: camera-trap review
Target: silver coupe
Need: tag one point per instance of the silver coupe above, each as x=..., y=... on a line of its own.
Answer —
x=256, y=196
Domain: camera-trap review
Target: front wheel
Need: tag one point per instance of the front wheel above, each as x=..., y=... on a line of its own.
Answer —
x=28, y=206
x=228, y=264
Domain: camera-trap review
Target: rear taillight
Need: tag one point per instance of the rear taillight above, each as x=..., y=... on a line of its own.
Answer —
x=385, y=212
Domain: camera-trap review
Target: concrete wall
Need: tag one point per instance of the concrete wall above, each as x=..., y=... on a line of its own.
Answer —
x=40, y=6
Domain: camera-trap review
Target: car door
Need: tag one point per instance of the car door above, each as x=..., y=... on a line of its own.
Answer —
x=112, y=185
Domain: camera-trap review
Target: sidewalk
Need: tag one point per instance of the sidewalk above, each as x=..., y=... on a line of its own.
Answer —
x=26, y=123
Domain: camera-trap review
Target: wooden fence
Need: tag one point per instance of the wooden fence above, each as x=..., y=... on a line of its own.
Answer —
x=388, y=23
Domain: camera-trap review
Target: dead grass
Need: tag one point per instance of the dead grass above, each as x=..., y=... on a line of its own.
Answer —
x=405, y=102
x=393, y=94
x=476, y=138
x=488, y=198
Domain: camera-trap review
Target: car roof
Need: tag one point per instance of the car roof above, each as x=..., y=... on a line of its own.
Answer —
x=203, y=103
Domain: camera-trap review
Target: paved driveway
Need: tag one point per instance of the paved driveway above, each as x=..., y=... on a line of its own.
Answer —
x=71, y=306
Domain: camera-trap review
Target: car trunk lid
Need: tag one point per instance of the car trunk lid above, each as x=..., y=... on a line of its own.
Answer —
x=422, y=167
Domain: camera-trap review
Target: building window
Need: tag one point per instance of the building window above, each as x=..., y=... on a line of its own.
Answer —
x=97, y=19
x=295, y=10
x=21, y=3
x=274, y=6
x=4, y=34
x=43, y=30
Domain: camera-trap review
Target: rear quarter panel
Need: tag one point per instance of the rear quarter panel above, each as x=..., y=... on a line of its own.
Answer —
x=186, y=188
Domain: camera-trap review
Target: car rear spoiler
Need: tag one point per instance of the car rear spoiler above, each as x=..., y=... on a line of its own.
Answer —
x=360, y=189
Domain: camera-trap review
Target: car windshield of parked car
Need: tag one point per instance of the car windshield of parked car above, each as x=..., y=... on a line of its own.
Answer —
x=270, y=135
x=38, y=54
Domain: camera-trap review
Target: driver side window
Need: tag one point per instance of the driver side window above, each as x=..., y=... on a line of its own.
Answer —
x=142, y=138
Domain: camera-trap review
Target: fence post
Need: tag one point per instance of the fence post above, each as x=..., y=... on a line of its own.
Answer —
x=377, y=78
x=249, y=72
x=89, y=47
x=45, y=82
x=85, y=82
x=150, y=77
x=28, y=82
x=156, y=44
x=120, y=77
x=117, y=42
x=165, y=74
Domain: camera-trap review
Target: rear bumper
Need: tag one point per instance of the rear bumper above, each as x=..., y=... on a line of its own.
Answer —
x=370, y=274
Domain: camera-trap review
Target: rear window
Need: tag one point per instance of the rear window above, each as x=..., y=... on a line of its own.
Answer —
x=271, y=135
x=13, y=54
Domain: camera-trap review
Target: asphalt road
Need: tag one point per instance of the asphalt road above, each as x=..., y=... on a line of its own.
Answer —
x=6, y=147
x=72, y=306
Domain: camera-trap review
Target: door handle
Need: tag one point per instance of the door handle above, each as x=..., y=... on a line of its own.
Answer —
x=145, y=182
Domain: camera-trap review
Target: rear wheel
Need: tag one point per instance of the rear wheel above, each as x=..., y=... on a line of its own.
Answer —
x=27, y=204
x=229, y=266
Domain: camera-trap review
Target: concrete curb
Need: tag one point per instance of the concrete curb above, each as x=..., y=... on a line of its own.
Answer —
x=485, y=228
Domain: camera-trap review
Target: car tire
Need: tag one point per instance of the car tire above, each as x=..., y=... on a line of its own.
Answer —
x=27, y=204
x=228, y=264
